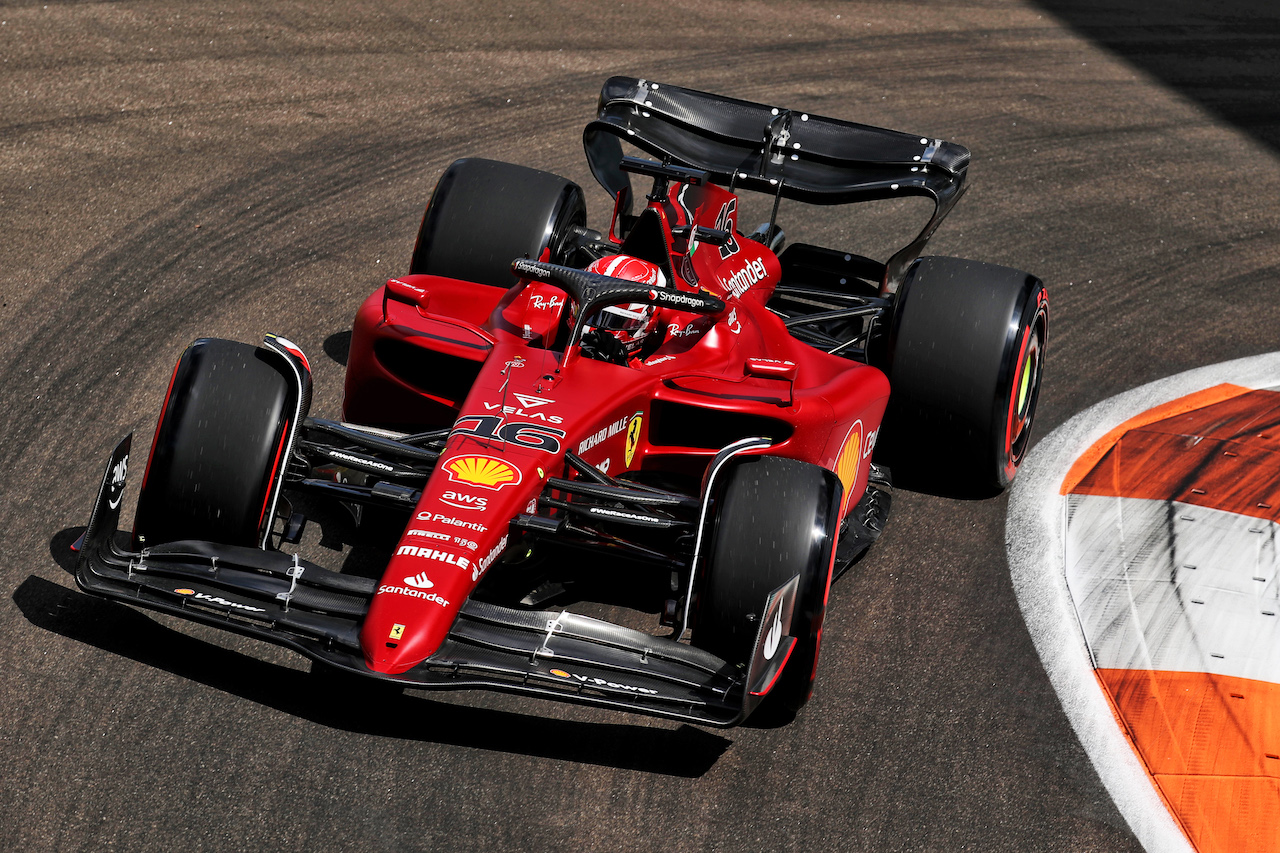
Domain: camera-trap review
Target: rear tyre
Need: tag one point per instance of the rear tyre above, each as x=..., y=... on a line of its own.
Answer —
x=776, y=518
x=217, y=446
x=964, y=358
x=484, y=214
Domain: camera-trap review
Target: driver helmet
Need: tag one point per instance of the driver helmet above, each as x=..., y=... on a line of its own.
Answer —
x=633, y=322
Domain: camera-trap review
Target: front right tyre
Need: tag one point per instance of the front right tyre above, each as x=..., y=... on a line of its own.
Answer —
x=776, y=518
x=218, y=447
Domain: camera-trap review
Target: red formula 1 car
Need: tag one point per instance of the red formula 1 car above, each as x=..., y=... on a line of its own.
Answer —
x=673, y=425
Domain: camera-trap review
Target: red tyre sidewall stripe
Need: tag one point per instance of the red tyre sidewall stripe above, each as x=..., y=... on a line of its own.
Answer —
x=778, y=674
x=1013, y=398
x=275, y=466
x=164, y=408
x=822, y=617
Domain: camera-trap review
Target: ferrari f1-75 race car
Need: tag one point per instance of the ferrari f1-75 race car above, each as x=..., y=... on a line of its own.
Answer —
x=675, y=420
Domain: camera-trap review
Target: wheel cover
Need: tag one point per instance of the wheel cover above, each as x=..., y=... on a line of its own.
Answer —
x=1026, y=389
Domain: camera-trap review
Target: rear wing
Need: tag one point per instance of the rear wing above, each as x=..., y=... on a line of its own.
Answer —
x=785, y=153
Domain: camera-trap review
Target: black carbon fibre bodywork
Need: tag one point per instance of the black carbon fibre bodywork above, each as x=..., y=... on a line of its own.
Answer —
x=280, y=598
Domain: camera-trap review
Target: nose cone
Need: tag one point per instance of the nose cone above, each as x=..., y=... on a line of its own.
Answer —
x=414, y=607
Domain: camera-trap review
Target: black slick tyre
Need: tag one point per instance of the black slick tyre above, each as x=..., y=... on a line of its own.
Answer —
x=217, y=448
x=964, y=356
x=776, y=518
x=484, y=214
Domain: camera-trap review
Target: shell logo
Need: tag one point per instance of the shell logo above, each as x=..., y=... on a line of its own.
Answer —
x=850, y=457
x=483, y=471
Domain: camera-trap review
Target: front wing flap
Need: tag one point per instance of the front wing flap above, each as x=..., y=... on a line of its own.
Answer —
x=280, y=598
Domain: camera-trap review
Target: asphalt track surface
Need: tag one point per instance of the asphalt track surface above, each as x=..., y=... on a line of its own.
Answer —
x=170, y=170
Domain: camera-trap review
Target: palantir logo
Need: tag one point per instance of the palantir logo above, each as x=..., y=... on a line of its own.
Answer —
x=419, y=581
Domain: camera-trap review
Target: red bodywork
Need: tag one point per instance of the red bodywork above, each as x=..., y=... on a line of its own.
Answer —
x=431, y=352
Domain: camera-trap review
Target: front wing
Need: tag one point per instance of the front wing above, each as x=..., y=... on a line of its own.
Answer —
x=282, y=599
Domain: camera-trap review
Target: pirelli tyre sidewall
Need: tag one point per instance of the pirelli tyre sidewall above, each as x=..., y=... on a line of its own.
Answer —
x=218, y=446
x=775, y=518
x=964, y=357
x=484, y=214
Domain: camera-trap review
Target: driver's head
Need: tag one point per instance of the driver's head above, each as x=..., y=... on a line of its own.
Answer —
x=632, y=323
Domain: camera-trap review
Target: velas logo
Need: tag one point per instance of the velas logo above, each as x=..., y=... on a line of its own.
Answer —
x=528, y=401
x=419, y=581
x=483, y=471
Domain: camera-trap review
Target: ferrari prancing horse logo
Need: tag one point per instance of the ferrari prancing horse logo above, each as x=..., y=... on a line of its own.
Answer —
x=633, y=436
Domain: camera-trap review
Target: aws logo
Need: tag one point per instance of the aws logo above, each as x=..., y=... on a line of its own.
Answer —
x=462, y=500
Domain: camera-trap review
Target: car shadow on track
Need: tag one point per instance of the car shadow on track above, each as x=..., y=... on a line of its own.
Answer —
x=338, y=347
x=378, y=709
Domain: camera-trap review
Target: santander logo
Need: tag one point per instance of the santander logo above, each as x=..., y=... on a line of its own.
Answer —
x=419, y=581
